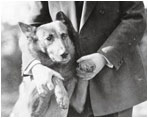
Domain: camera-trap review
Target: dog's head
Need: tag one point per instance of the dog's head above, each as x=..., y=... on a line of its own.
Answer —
x=51, y=39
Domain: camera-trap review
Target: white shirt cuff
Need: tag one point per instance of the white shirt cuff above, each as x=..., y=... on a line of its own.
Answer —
x=109, y=64
x=27, y=71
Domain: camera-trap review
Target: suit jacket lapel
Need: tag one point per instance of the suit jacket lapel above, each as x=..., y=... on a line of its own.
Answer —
x=68, y=7
x=86, y=11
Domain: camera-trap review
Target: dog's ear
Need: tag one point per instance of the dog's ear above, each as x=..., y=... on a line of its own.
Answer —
x=63, y=18
x=28, y=30
x=74, y=36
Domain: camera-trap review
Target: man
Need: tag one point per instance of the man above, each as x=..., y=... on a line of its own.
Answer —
x=109, y=36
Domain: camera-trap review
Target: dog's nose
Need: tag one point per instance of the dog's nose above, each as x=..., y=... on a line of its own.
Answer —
x=64, y=55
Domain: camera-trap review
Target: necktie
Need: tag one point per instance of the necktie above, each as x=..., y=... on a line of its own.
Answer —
x=79, y=6
x=79, y=96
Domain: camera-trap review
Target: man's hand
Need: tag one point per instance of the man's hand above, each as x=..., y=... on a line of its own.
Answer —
x=90, y=66
x=43, y=77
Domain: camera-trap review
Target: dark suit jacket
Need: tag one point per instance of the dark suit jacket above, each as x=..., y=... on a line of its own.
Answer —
x=113, y=29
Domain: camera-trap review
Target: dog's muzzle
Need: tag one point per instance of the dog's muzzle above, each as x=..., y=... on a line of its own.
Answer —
x=64, y=55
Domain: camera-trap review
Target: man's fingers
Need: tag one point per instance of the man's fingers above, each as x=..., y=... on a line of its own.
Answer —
x=84, y=75
x=50, y=86
x=83, y=58
x=40, y=89
x=86, y=79
x=58, y=75
x=46, y=90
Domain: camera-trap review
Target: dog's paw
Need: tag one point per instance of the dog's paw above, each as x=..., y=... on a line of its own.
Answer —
x=87, y=66
x=61, y=97
x=63, y=102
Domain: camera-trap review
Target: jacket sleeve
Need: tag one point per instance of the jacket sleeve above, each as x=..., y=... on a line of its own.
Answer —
x=127, y=34
x=41, y=18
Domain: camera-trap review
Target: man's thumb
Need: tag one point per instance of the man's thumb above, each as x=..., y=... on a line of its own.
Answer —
x=56, y=74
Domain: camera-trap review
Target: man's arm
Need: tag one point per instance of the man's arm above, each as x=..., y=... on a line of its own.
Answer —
x=127, y=34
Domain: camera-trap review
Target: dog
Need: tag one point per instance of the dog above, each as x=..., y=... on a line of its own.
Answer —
x=54, y=45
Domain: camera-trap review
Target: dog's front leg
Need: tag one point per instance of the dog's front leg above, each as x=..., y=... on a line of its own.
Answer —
x=61, y=94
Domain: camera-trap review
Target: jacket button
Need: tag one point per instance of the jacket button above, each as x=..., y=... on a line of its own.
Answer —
x=140, y=79
x=129, y=44
x=118, y=11
x=101, y=11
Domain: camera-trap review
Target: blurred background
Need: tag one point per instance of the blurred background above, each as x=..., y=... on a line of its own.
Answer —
x=11, y=13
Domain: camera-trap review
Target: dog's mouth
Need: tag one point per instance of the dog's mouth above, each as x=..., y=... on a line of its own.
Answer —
x=64, y=61
x=65, y=58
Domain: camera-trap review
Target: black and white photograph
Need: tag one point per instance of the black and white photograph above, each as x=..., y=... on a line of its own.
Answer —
x=73, y=58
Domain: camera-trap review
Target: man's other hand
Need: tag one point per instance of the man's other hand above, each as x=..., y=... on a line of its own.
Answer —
x=90, y=66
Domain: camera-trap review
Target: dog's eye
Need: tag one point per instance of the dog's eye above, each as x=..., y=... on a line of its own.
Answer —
x=64, y=35
x=50, y=38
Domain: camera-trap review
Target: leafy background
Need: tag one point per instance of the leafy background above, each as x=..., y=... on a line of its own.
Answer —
x=12, y=12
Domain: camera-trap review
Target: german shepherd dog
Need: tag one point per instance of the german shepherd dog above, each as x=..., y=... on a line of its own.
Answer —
x=54, y=45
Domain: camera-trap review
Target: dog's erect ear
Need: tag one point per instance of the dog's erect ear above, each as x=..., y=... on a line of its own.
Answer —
x=74, y=36
x=28, y=30
x=61, y=16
